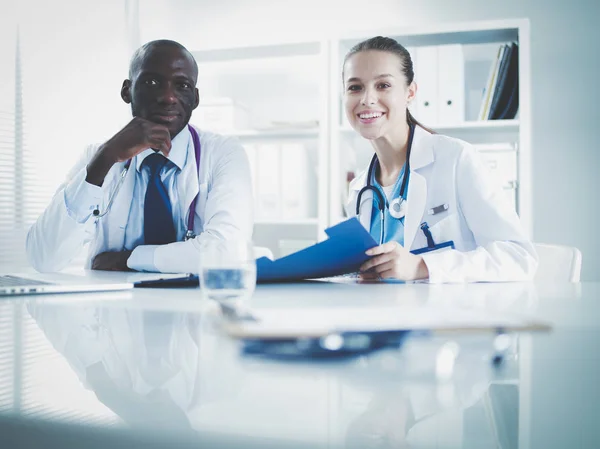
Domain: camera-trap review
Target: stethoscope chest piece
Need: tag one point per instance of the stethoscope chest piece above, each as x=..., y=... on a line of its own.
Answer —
x=397, y=208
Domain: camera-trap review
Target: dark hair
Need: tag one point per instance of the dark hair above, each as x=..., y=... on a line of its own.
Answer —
x=389, y=45
x=142, y=53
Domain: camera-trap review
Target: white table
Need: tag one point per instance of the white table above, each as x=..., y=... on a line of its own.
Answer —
x=150, y=367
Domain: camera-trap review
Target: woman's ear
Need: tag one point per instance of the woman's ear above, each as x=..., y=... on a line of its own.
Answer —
x=411, y=92
x=126, y=91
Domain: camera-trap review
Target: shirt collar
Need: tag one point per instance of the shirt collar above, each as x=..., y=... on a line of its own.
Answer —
x=178, y=153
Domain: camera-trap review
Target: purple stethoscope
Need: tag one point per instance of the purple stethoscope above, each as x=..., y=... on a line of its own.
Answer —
x=189, y=233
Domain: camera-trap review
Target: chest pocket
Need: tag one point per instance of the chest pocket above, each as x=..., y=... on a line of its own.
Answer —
x=445, y=229
x=440, y=214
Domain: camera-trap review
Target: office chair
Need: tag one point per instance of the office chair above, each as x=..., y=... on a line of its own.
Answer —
x=558, y=263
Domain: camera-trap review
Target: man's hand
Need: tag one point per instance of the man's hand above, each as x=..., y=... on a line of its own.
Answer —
x=392, y=260
x=112, y=261
x=138, y=135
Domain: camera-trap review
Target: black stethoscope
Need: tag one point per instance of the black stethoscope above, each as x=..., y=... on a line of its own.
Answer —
x=397, y=206
x=189, y=233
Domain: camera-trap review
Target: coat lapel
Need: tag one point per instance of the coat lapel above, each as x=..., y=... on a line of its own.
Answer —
x=421, y=156
x=116, y=220
x=366, y=200
x=187, y=184
x=415, y=204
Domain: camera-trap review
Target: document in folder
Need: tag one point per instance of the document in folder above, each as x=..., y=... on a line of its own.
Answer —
x=343, y=252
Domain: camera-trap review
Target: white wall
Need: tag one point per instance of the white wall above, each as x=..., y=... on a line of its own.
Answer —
x=8, y=30
x=565, y=69
x=74, y=59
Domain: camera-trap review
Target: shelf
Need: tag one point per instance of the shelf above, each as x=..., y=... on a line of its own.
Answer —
x=267, y=51
x=465, y=34
x=251, y=134
x=480, y=125
x=476, y=126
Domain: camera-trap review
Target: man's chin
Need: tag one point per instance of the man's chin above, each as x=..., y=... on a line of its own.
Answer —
x=174, y=131
x=174, y=128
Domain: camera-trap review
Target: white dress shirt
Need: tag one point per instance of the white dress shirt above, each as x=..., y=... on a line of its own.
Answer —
x=223, y=209
x=86, y=198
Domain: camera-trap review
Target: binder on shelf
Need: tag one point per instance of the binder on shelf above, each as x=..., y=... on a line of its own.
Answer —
x=451, y=84
x=500, y=80
x=501, y=96
x=252, y=161
x=268, y=186
x=426, y=77
x=490, y=86
x=294, y=181
x=507, y=101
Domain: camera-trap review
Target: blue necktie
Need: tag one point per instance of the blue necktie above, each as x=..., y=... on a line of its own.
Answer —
x=158, y=217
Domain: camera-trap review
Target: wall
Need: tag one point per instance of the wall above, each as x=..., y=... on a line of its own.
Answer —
x=74, y=57
x=565, y=69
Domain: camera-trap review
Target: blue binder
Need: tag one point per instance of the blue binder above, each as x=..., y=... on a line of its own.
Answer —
x=343, y=252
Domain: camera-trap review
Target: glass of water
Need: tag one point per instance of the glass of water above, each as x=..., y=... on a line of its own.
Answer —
x=227, y=271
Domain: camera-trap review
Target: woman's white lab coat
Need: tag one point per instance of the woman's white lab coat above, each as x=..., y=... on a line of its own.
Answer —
x=223, y=210
x=490, y=243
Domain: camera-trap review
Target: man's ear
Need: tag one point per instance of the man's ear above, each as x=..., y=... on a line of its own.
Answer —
x=126, y=91
x=197, y=99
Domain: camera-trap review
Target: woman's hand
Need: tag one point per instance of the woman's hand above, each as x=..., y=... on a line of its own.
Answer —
x=391, y=260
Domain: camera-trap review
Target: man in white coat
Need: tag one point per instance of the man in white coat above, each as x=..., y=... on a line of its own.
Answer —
x=150, y=197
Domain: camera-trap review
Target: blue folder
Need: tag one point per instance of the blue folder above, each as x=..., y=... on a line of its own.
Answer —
x=343, y=252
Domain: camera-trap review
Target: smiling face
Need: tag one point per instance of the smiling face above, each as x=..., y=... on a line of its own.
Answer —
x=376, y=93
x=163, y=88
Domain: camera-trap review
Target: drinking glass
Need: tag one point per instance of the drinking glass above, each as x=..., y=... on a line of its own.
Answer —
x=227, y=271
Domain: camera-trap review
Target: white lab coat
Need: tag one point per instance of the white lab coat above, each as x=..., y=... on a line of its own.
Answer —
x=223, y=210
x=490, y=242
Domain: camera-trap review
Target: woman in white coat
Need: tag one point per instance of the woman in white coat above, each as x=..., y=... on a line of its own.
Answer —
x=426, y=198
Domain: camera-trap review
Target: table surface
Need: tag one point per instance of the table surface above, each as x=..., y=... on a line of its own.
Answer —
x=153, y=368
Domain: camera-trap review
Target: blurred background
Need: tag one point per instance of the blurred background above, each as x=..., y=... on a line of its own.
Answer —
x=270, y=74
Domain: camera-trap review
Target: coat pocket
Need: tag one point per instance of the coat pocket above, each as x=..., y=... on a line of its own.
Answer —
x=445, y=229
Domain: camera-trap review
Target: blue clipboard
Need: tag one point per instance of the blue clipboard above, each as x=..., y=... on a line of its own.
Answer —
x=342, y=253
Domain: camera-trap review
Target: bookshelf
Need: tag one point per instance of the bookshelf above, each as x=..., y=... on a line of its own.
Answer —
x=291, y=94
x=272, y=99
x=246, y=135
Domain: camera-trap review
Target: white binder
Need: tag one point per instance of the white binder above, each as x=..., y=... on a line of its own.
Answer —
x=426, y=77
x=451, y=84
x=269, y=185
x=253, y=162
x=294, y=181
